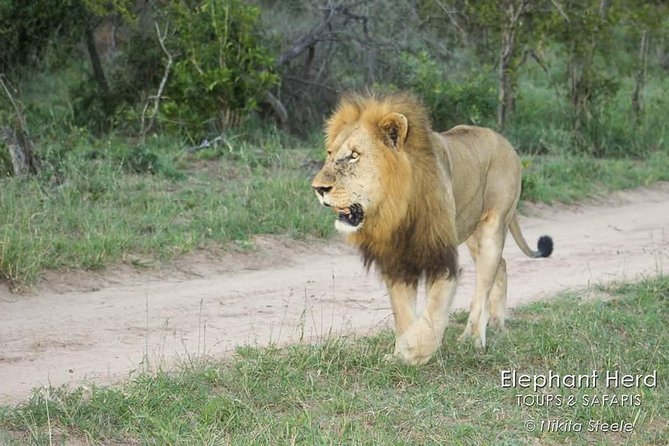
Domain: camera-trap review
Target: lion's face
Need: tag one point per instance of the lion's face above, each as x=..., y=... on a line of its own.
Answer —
x=351, y=180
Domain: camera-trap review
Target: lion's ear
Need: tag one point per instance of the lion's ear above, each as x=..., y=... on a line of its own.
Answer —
x=395, y=127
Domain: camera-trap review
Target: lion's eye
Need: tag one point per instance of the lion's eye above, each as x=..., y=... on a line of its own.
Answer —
x=353, y=157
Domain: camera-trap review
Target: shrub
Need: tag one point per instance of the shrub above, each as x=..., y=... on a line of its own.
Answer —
x=26, y=29
x=222, y=68
x=472, y=100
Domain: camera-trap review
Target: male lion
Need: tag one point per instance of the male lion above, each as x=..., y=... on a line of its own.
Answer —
x=407, y=197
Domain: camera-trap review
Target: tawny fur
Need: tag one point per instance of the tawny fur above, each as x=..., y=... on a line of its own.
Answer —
x=421, y=194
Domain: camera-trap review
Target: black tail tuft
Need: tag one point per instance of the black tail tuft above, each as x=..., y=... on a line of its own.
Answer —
x=545, y=246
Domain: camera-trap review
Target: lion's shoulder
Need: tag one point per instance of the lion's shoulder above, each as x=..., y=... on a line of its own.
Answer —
x=481, y=140
x=469, y=131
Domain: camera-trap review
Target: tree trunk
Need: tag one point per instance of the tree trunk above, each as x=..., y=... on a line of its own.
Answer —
x=505, y=89
x=21, y=152
x=506, y=81
x=580, y=84
x=640, y=76
x=98, y=72
x=582, y=75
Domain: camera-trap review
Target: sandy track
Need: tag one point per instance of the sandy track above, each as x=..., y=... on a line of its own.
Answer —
x=85, y=328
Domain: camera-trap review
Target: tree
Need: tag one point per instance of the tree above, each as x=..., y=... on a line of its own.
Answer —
x=507, y=19
x=584, y=27
x=643, y=20
x=222, y=68
x=511, y=21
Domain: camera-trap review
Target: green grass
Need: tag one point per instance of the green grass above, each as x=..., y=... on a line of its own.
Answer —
x=342, y=392
x=100, y=201
x=567, y=179
x=543, y=119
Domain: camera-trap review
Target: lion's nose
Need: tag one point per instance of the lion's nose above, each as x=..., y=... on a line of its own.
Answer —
x=322, y=190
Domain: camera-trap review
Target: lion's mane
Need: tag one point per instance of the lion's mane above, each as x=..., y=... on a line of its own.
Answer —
x=409, y=234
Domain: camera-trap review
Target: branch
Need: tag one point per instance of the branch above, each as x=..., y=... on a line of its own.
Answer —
x=323, y=31
x=205, y=144
x=306, y=41
x=17, y=152
x=559, y=8
x=21, y=148
x=516, y=13
x=19, y=114
x=278, y=108
x=451, y=16
x=163, y=82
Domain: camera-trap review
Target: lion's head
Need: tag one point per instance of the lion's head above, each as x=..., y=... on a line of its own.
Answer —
x=367, y=175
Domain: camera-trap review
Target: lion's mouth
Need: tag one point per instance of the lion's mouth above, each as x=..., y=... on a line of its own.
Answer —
x=352, y=215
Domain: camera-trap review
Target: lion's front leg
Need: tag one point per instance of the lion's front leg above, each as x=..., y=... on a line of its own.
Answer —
x=403, y=301
x=417, y=344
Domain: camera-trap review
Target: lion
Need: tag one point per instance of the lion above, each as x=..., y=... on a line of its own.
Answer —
x=407, y=196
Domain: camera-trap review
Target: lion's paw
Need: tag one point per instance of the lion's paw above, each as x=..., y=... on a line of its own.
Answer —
x=466, y=335
x=479, y=344
x=417, y=345
x=497, y=324
x=390, y=358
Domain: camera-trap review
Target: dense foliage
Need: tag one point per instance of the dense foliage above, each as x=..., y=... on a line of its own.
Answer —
x=570, y=76
x=205, y=58
x=229, y=75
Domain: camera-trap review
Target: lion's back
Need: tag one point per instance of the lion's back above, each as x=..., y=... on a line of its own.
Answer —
x=485, y=172
x=472, y=147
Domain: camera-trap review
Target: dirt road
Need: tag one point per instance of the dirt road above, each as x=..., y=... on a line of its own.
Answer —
x=96, y=328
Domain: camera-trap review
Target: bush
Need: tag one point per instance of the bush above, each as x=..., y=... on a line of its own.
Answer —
x=26, y=29
x=222, y=69
x=543, y=122
x=451, y=101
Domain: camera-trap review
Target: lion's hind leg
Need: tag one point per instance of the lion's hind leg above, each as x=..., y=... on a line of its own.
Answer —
x=486, y=245
x=497, y=301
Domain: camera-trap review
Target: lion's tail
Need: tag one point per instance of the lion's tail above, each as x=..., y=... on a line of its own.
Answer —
x=544, y=246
